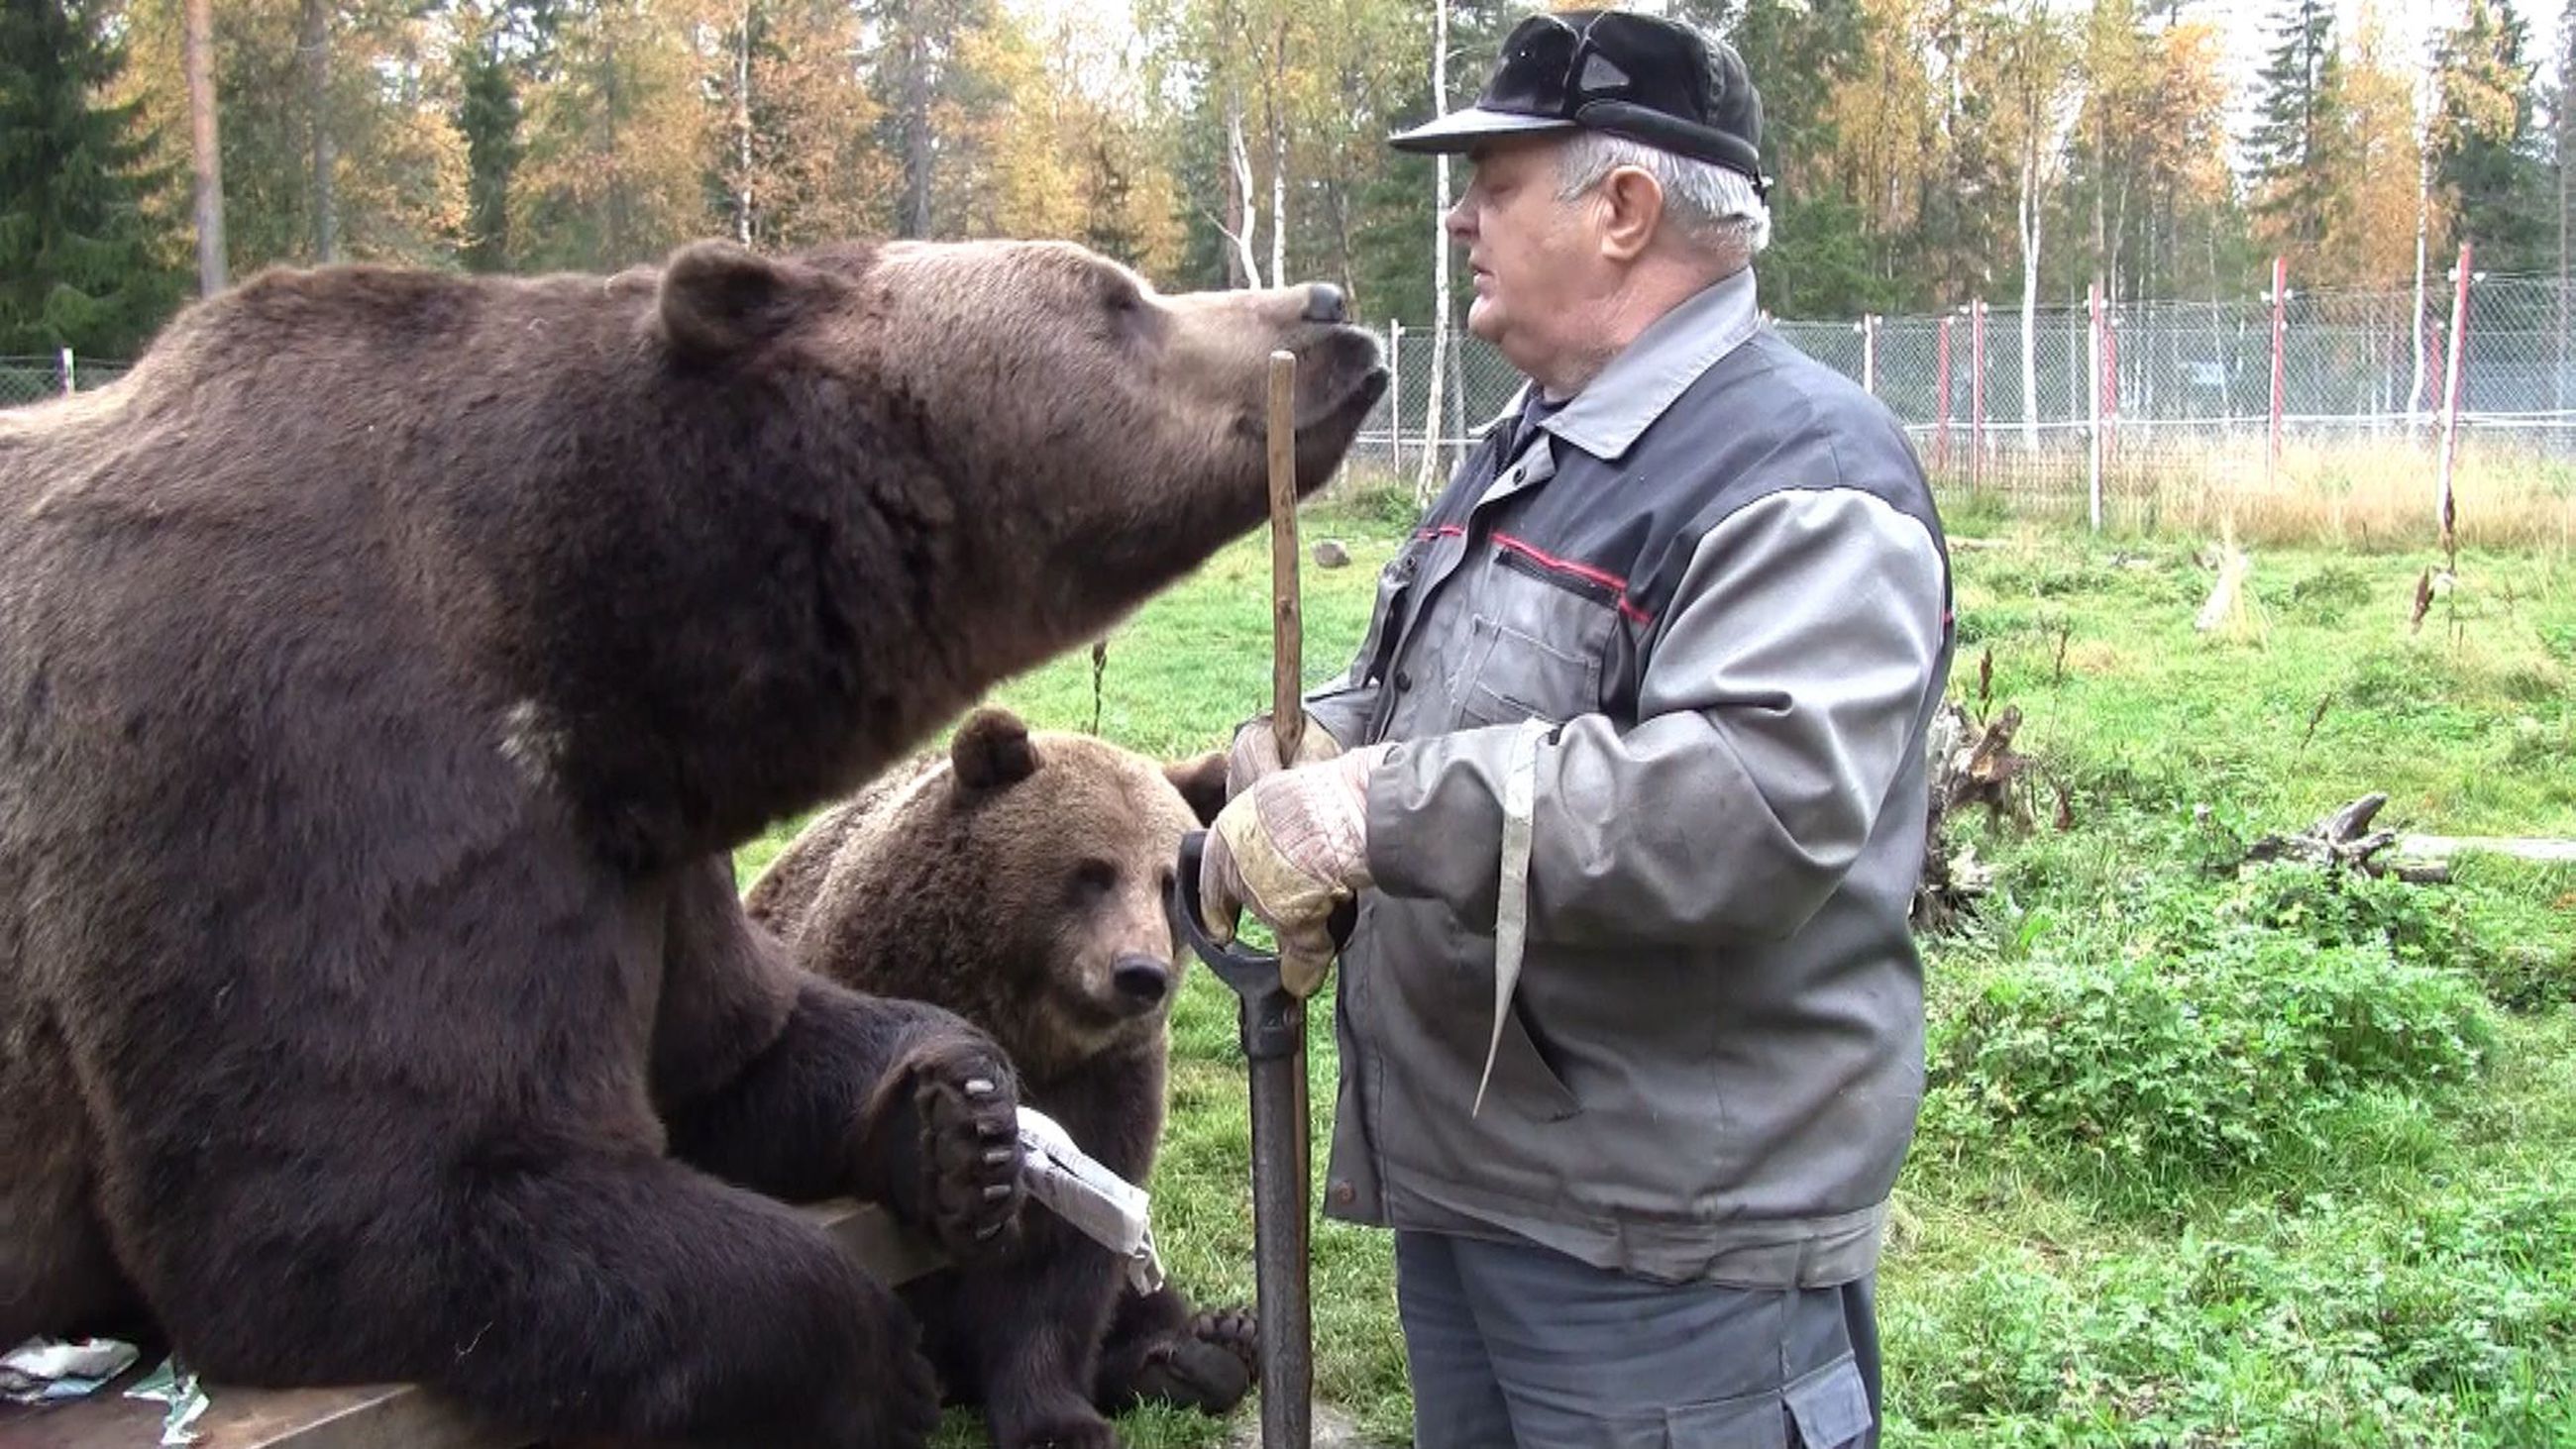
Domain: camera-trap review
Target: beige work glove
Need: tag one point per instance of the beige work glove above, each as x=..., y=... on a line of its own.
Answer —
x=1256, y=752
x=1292, y=848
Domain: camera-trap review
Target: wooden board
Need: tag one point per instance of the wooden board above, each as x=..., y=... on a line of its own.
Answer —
x=2444, y=847
x=397, y=1416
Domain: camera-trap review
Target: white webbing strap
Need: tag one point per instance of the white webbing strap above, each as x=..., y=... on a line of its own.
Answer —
x=1511, y=900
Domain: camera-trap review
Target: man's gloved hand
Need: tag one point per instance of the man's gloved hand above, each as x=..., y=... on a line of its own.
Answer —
x=1255, y=753
x=1291, y=848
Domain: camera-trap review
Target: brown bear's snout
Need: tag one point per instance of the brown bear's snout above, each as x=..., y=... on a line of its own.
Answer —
x=1141, y=981
x=1324, y=304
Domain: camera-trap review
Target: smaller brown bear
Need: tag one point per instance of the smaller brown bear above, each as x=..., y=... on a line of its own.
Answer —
x=1019, y=883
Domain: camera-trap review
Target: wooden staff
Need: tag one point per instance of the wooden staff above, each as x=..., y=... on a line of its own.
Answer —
x=1281, y=1149
x=1287, y=707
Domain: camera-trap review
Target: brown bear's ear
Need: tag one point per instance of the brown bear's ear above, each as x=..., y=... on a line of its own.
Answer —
x=718, y=298
x=991, y=750
x=1201, y=782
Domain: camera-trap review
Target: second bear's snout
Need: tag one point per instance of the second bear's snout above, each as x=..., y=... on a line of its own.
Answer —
x=1141, y=981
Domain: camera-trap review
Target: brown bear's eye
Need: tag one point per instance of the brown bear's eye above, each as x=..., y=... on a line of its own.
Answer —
x=1092, y=880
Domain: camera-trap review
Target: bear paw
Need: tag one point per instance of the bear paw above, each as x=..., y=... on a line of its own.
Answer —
x=1209, y=1365
x=957, y=1170
x=890, y=1398
x=1074, y=1429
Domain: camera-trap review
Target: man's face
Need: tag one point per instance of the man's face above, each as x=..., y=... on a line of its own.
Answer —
x=1535, y=261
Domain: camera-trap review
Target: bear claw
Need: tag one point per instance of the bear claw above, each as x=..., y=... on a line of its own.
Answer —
x=967, y=1178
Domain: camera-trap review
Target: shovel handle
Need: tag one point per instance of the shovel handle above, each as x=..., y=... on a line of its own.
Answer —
x=1274, y=1022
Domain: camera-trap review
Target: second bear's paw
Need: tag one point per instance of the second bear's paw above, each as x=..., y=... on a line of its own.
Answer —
x=1077, y=1429
x=1209, y=1365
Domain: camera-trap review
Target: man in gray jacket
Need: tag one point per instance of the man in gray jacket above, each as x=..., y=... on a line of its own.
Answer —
x=1628, y=779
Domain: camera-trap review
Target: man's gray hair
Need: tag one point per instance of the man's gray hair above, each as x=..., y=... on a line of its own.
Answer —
x=1715, y=205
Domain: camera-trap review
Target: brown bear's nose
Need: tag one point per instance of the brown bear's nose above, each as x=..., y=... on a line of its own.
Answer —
x=1141, y=980
x=1324, y=303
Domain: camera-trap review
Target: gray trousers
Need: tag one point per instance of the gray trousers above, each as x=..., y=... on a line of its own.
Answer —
x=1513, y=1346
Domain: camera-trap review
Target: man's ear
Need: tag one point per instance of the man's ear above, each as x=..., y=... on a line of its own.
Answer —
x=1632, y=207
x=718, y=298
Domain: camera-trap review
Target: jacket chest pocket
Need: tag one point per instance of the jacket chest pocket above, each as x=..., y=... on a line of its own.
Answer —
x=1534, y=647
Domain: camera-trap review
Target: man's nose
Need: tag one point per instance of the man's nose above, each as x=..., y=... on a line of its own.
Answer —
x=1324, y=303
x=1460, y=221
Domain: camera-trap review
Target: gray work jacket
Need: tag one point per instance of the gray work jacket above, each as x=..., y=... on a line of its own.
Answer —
x=1636, y=981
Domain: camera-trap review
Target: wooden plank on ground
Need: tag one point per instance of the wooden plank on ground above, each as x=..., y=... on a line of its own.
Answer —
x=396, y=1416
x=2444, y=847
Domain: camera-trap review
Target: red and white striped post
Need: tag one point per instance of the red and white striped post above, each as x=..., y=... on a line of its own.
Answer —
x=2110, y=384
x=2435, y=368
x=2280, y=304
x=1395, y=395
x=2453, y=381
x=1941, y=432
x=1977, y=393
x=2093, y=463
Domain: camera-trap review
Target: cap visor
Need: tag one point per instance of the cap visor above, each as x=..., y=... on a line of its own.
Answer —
x=1461, y=130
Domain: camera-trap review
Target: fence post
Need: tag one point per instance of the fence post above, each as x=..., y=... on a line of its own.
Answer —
x=68, y=387
x=1941, y=430
x=2280, y=302
x=2110, y=384
x=1395, y=396
x=2454, y=372
x=2093, y=346
x=1977, y=393
x=2437, y=367
x=1869, y=353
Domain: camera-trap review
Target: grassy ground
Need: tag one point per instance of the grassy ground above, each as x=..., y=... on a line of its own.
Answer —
x=2207, y=1159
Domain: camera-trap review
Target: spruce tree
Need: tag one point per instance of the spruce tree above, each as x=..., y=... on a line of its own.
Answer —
x=2300, y=127
x=495, y=68
x=86, y=262
x=2486, y=157
x=488, y=118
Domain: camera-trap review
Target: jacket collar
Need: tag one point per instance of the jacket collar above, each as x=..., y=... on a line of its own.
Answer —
x=1606, y=418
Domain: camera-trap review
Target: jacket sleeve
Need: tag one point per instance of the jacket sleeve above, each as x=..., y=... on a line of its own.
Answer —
x=1793, y=672
x=1344, y=710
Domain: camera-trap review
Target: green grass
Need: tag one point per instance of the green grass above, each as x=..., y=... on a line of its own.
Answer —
x=2208, y=1160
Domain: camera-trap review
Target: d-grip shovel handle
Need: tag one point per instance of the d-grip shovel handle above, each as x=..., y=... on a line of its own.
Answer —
x=1273, y=1021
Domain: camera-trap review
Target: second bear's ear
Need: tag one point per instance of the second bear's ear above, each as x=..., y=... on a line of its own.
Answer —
x=1201, y=782
x=991, y=750
x=718, y=298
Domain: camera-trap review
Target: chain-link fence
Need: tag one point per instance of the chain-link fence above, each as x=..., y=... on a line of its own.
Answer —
x=32, y=379
x=2323, y=415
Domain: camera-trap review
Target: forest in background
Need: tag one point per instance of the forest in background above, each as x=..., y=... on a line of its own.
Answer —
x=1927, y=151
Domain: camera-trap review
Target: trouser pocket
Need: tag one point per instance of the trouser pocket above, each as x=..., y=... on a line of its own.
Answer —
x=1826, y=1408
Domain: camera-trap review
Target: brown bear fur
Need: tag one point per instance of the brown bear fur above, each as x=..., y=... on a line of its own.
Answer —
x=387, y=665
x=1019, y=882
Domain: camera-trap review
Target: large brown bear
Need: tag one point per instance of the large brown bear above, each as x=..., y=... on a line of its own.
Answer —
x=1019, y=882
x=387, y=667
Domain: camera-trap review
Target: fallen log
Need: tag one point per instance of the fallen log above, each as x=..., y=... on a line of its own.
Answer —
x=2344, y=840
